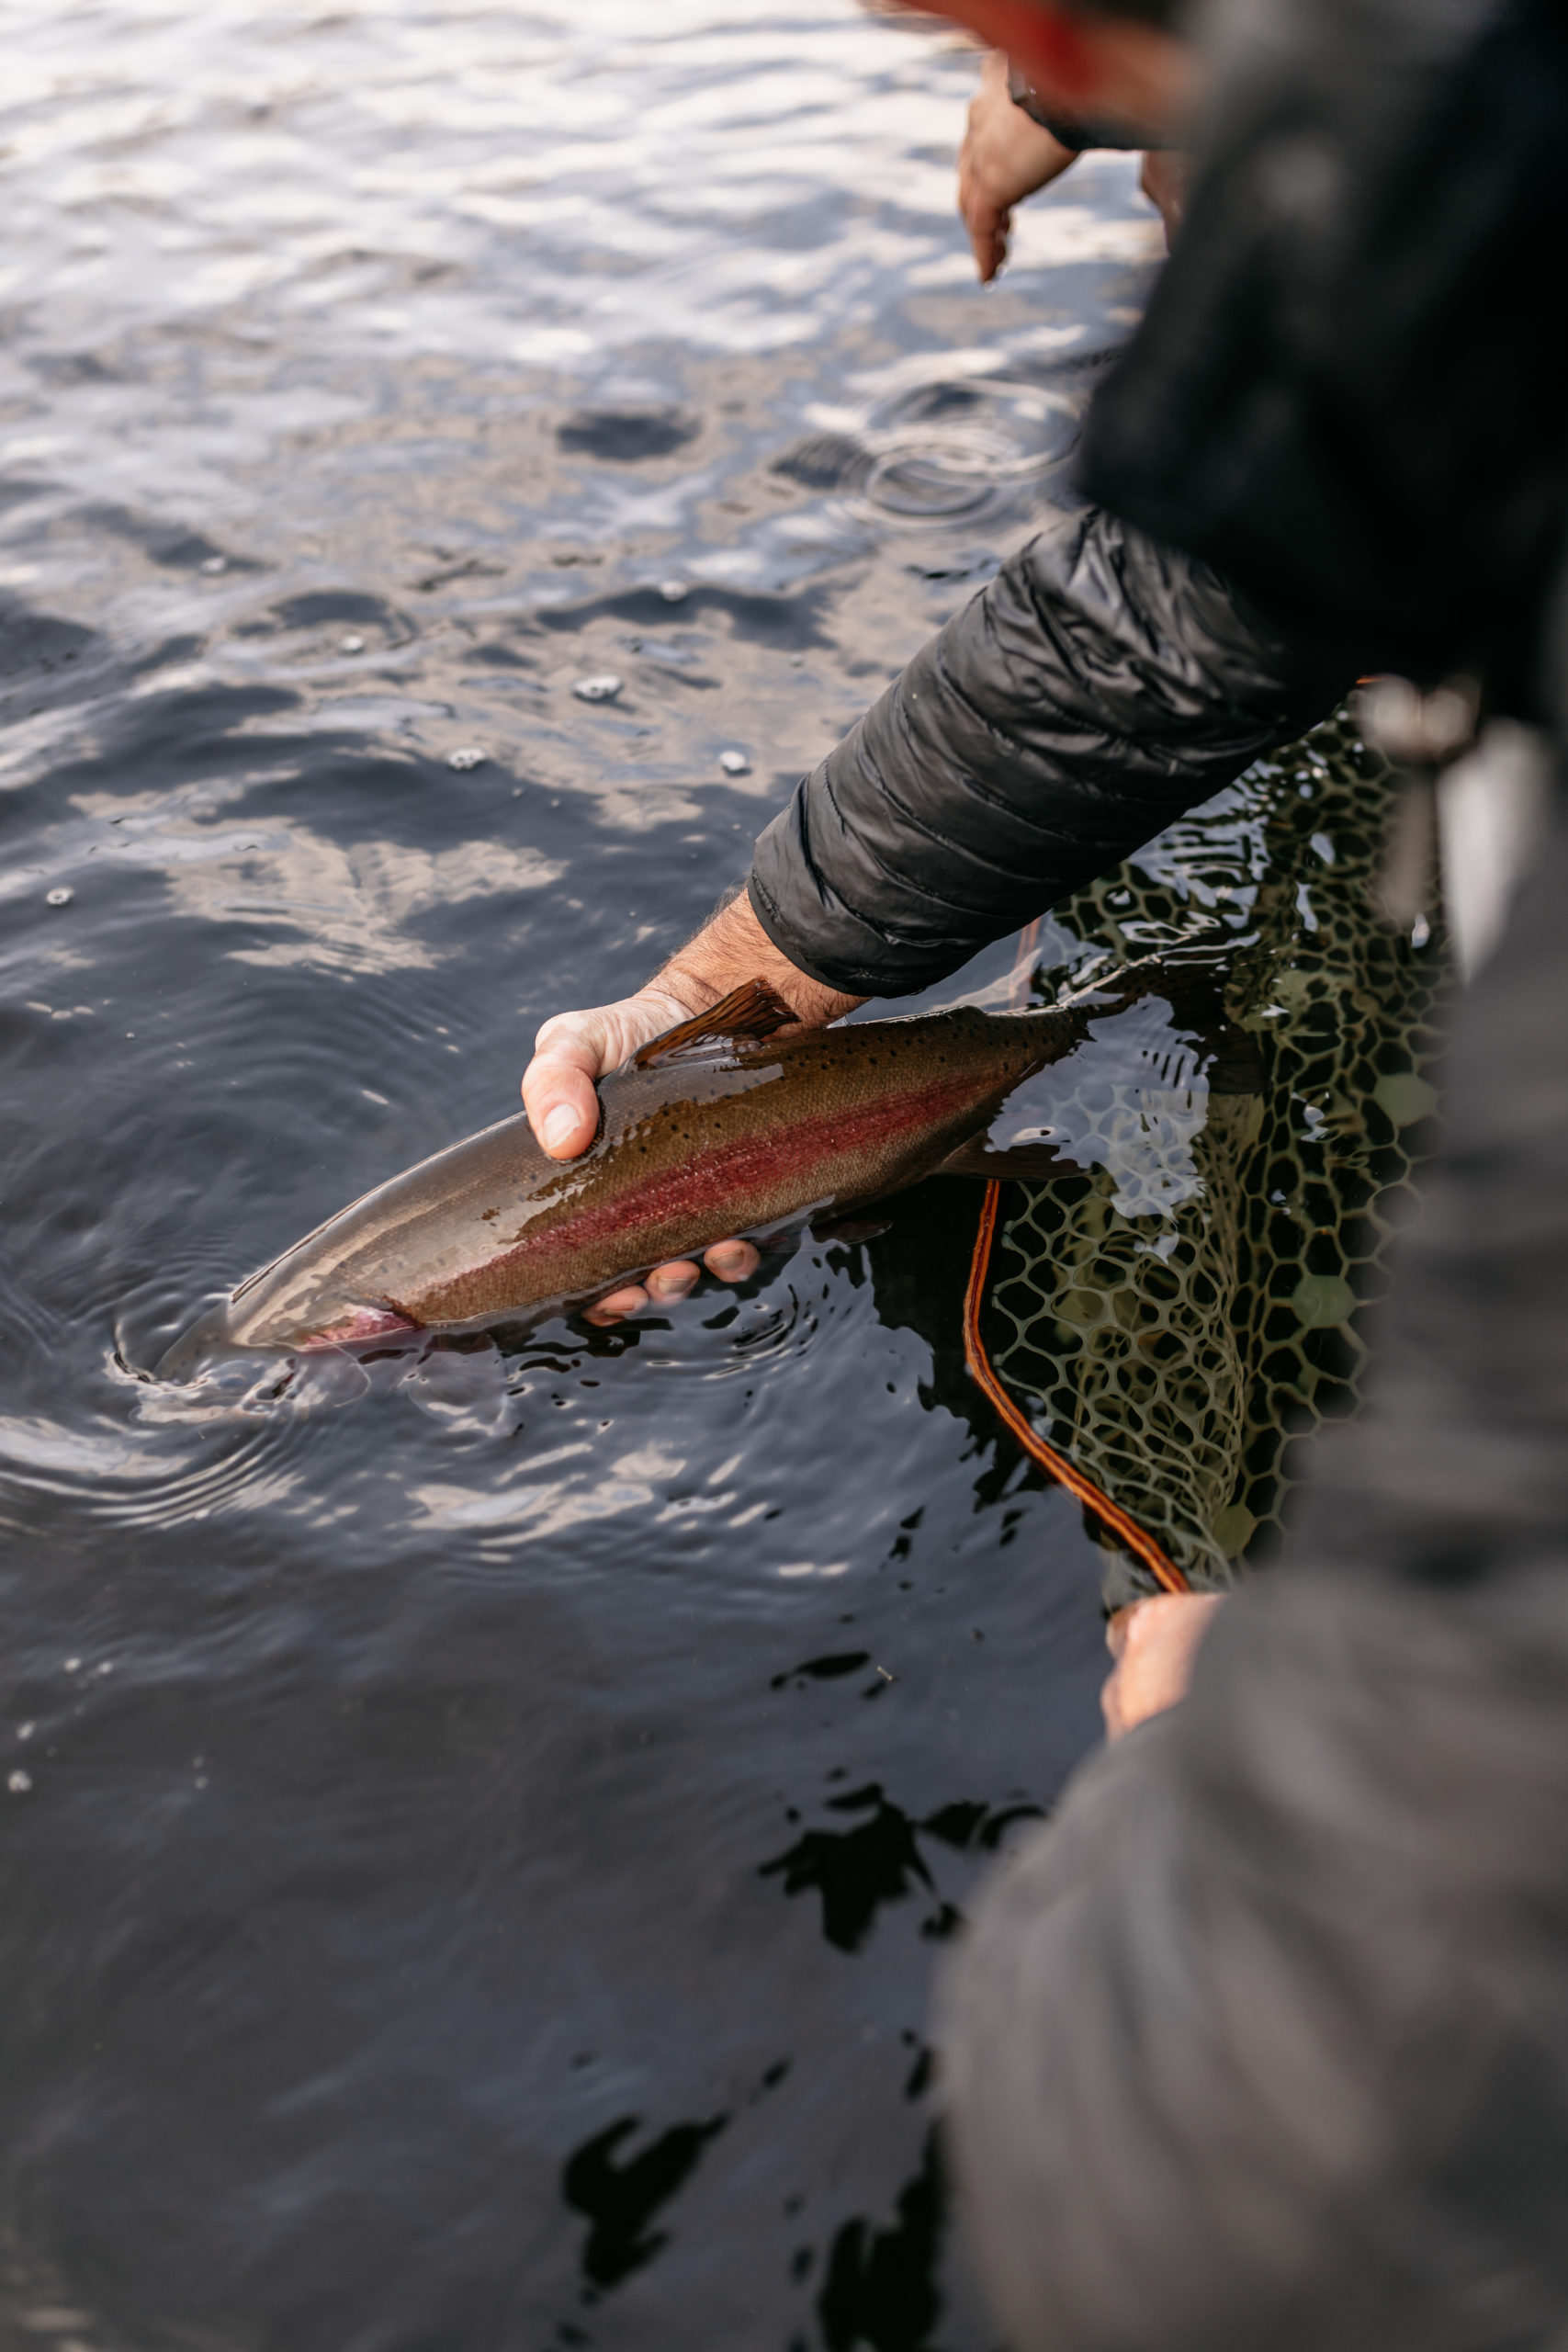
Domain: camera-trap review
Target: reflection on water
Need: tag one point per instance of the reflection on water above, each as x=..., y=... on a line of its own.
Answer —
x=474, y=1848
x=620, y=2198
x=879, y=1860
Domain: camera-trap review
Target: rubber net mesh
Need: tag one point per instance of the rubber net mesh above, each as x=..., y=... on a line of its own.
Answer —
x=1181, y=1308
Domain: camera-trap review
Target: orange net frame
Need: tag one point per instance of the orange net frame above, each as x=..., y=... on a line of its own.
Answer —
x=1056, y=1466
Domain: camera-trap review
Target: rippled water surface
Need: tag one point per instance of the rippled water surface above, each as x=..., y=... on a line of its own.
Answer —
x=474, y=1855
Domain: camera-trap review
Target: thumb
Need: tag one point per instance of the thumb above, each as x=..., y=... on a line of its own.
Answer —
x=988, y=226
x=559, y=1083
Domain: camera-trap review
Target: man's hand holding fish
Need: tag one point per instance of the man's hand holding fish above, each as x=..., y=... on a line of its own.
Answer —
x=573, y=1050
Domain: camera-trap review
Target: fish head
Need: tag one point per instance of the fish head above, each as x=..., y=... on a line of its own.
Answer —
x=208, y=1337
x=278, y=1324
x=297, y=1305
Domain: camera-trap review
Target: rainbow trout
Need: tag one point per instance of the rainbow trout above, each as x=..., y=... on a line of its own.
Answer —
x=739, y=1122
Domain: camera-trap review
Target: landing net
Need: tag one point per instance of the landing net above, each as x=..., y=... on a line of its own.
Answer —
x=1173, y=1317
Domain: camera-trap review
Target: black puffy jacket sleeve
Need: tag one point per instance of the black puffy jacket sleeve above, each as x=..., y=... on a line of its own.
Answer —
x=1098, y=687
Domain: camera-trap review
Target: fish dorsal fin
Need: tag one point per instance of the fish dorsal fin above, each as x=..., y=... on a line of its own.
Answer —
x=754, y=1010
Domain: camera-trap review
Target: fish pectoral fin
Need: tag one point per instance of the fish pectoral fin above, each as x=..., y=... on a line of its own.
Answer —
x=849, y=1228
x=979, y=1157
x=754, y=1010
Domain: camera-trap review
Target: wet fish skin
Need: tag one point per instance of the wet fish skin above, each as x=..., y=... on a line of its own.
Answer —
x=741, y=1136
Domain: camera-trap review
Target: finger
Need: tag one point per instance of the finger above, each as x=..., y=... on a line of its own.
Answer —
x=672, y=1281
x=618, y=1306
x=562, y=1107
x=1143, y=1618
x=580, y=1038
x=1116, y=1626
x=573, y=1049
x=1160, y=1639
x=988, y=237
x=558, y=1085
x=1167, y=1618
x=732, y=1261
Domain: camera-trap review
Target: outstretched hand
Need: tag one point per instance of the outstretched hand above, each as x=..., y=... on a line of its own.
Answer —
x=573, y=1050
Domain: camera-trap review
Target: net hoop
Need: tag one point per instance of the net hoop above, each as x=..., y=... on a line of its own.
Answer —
x=1127, y=1531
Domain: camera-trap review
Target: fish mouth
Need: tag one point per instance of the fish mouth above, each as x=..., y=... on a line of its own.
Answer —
x=221, y=1332
x=361, y=1323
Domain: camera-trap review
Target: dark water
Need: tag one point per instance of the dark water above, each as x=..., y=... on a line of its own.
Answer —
x=473, y=1859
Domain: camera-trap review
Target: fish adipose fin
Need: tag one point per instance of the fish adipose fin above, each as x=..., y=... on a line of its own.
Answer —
x=750, y=1010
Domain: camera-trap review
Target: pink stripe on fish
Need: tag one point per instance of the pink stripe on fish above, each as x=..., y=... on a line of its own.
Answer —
x=718, y=1178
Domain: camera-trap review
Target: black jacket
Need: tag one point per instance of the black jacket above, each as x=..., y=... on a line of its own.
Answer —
x=1348, y=394
x=1350, y=388
x=1099, y=687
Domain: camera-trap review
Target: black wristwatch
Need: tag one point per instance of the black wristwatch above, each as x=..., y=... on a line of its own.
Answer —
x=1076, y=132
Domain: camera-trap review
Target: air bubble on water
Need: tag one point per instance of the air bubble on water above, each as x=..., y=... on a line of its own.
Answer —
x=468, y=756
x=62, y=898
x=213, y=564
x=735, y=764
x=19, y=1784
x=72, y=1666
x=601, y=689
x=674, y=592
x=355, y=644
x=1420, y=931
x=26, y=1730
